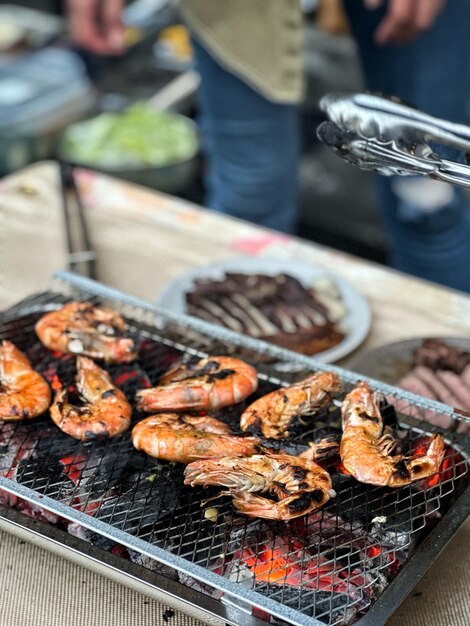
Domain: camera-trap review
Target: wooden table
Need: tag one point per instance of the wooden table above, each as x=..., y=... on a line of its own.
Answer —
x=145, y=239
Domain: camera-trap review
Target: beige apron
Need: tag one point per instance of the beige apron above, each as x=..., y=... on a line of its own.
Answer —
x=258, y=40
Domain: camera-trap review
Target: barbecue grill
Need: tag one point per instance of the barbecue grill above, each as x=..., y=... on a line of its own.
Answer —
x=125, y=515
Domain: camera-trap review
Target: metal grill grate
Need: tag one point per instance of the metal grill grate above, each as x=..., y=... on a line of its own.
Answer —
x=332, y=565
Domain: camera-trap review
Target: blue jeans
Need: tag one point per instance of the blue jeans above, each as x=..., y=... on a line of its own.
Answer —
x=252, y=148
x=433, y=73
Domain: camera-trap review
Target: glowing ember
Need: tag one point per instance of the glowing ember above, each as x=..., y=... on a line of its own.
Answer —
x=56, y=384
x=60, y=355
x=340, y=468
x=73, y=466
x=373, y=551
x=274, y=565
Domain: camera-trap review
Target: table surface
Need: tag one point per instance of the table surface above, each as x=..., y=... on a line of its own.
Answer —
x=144, y=239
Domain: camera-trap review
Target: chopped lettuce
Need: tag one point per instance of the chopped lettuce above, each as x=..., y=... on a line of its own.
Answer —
x=140, y=136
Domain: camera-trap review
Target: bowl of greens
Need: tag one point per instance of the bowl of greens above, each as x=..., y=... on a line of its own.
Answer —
x=154, y=148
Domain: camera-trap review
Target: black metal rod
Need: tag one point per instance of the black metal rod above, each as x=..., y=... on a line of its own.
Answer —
x=87, y=254
x=65, y=210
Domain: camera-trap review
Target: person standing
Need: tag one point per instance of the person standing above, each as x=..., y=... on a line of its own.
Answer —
x=427, y=222
x=249, y=55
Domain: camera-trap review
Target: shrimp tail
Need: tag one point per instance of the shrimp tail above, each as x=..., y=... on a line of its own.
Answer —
x=322, y=450
x=289, y=508
x=408, y=470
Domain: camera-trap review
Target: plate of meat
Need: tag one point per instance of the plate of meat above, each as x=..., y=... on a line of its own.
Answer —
x=433, y=367
x=290, y=303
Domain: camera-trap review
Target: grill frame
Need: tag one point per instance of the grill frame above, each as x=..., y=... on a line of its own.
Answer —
x=394, y=592
x=202, y=607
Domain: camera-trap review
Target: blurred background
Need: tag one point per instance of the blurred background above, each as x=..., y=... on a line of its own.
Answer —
x=59, y=101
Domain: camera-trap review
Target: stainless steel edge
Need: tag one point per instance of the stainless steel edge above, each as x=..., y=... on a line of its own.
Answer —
x=231, y=588
x=164, y=590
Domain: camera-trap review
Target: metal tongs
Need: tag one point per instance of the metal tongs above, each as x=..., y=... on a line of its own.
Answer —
x=390, y=137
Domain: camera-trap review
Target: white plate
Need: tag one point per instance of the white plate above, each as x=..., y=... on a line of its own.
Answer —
x=355, y=324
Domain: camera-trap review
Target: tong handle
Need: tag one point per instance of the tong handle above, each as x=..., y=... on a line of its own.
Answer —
x=371, y=154
x=454, y=173
x=402, y=162
x=372, y=115
x=385, y=135
x=86, y=256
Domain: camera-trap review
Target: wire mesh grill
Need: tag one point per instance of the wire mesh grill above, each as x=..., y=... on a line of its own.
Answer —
x=331, y=565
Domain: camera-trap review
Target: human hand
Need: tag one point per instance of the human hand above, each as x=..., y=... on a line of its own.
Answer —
x=405, y=19
x=96, y=25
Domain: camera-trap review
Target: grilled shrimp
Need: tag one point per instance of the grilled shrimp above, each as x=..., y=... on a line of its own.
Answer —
x=185, y=438
x=23, y=392
x=201, y=385
x=295, y=486
x=275, y=411
x=367, y=454
x=82, y=328
x=105, y=412
x=321, y=450
x=181, y=421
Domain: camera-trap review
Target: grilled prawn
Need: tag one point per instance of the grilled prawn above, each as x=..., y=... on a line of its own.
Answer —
x=82, y=328
x=23, y=392
x=293, y=486
x=105, y=411
x=274, y=412
x=367, y=454
x=186, y=438
x=201, y=385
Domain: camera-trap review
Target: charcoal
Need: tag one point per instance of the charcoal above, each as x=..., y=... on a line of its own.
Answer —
x=53, y=368
x=45, y=475
x=96, y=539
x=198, y=585
x=156, y=359
x=231, y=414
x=357, y=551
x=366, y=503
x=128, y=377
x=54, y=443
x=388, y=413
x=142, y=498
x=152, y=564
x=330, y=607
x=105, y=469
